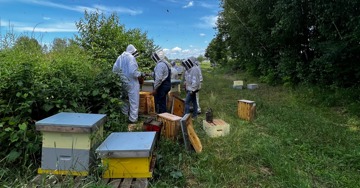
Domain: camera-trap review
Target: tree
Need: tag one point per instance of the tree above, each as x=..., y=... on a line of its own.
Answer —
x=105, y=39
x=59, y=44
x=296, y=41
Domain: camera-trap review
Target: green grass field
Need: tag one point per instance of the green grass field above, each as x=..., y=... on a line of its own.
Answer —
x=290, y=143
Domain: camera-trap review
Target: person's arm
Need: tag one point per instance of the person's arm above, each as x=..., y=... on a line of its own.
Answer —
x=116, y=68
x=134, y=68
x=161, y=73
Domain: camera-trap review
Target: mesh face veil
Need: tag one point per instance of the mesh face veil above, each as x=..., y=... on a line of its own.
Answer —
x=157, y=56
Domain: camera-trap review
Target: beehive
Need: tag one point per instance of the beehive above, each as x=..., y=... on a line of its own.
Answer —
x=175, y=85
x=67, y=142
x=171, y=125
x=216, y=128
x=252, y=86
x=127, y=154
x=246, y=109
x=238, y=84
x=148, y=86
x=146, y=104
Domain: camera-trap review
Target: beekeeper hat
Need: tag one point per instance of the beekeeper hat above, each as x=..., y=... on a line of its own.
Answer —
x=187, y=64
x=191, y=62
x=158, y=56
x=194, y=60
x=131, y=49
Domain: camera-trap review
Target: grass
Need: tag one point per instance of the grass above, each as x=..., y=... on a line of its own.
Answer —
x=291, y=142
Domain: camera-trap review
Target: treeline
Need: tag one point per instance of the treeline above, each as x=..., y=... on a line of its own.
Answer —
x=290, y=42
x=72, y=75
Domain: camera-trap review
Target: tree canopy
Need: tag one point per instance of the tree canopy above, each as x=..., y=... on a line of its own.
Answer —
x=281, y=41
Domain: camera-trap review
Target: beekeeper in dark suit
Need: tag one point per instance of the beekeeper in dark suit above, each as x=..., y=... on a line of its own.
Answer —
x=162, y=81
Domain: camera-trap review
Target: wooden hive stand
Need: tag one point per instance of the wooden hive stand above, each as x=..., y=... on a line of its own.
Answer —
x=43, y=180
x=246, y=109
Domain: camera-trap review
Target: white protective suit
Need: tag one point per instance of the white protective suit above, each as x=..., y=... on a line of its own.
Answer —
x=192, y=78
x=127, y=68
x=201, y=79
x=174, y=72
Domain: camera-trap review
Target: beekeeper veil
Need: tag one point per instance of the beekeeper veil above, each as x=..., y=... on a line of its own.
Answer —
x=187, y=64
x=158, y=56
x=131, y=49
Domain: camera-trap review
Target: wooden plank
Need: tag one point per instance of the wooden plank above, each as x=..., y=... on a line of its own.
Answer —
x=140, y=183
x=126, y=183
x=115, y=183
x=185, y=133
x=192, y=136
x=105, y=180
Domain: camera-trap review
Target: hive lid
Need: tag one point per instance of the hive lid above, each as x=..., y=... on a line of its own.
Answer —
x=175, y=81
x=246, y=101
x=148, y=82
x=127, y=145
x=71, y=122
x=169, y=116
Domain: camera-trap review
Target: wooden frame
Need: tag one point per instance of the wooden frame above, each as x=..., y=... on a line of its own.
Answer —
x=189, y=134
x=178, y=106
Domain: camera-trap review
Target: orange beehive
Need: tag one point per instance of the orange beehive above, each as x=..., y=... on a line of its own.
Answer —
x=246, y=109
x=171, y=125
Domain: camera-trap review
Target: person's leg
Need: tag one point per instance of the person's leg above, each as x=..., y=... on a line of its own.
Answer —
x=195, y=108
x=124, y=97
x=198, y=103
x=134, y=104
x=157, y=100
x=162, y=100
x=187, y=102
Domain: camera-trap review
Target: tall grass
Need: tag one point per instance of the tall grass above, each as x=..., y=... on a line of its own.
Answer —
x=291, y=143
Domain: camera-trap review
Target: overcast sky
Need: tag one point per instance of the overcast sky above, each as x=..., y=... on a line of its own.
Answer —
x=181, y=27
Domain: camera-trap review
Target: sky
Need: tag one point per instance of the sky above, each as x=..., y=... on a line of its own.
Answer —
x=182, y=28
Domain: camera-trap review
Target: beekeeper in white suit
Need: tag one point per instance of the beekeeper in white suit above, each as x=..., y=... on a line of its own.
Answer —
x=192, y=85
x=201, y=80
x=127, y=68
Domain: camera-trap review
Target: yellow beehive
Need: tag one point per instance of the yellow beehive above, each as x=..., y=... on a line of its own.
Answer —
x=246, y=109
x=128, y=154
x=127, y=167
x=171, y=125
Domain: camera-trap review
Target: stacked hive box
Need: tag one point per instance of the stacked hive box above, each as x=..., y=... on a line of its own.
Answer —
x=146, y=104
x=171, y=125
x=175, y=85
x=148, y=86
x=127, y=154
x=246, y=109
x=68, y=140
